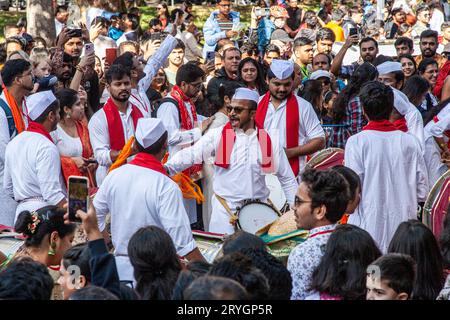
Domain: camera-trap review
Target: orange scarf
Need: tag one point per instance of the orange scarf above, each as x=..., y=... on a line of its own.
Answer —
x=15, y=110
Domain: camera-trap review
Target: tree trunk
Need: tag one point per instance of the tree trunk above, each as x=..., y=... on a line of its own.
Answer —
x=41, y=20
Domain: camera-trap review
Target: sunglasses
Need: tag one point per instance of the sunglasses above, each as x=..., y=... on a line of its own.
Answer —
x=237, y=110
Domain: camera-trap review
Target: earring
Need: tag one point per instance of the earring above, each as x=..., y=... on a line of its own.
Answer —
x=51, y=251
x=68, y=116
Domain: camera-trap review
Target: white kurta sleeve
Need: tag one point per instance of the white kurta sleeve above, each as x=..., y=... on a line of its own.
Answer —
x=48, y=171
x=437, y=129
x=309, y=121
x=175, y=220
x=4, y=138
x=286, y=177
x=168, y=113
x=352, y=158
x=101, y=203
x=422, y=178
x=156, y=61
x=201, y=150
x=99, y=135
x=7, y=180
x=414, y=122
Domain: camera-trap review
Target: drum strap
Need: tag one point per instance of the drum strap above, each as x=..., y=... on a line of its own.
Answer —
x=233, y=216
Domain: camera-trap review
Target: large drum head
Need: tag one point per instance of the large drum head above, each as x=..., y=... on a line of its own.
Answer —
x=436, y=205
x=255, y=216
x=326, y=159
x=276, y=192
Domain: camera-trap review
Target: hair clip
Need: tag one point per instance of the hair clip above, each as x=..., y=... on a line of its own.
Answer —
x=33, y=225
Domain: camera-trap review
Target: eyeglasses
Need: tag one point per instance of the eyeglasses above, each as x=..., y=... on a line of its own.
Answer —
x=196, y=85
x=237, y=110
x=298, y=202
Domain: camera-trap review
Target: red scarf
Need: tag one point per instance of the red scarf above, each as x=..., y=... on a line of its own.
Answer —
x=115, y=128
x=380, y=125
x=148, y=161
x=186, y=123
x=292, y=124
x=39, y=128
x=401, y=124
x=228, y=139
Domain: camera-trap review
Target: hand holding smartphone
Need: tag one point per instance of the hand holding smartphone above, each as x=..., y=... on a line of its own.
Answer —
x=111, y=55
x=78, y=196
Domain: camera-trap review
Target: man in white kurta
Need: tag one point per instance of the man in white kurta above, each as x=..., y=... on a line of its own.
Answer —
x=437, y=129
x=244, y=179
x=137, y=197
x=32, y=163
x=390, y=165
x=311, y=137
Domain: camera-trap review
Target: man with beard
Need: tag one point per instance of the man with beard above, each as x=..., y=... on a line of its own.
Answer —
x=304, y=53
x=289, y=118
x=243, y=153
x=17, y=84
x=231, y=58
x=398, y=18
x=428, y=47
x=32, y=174
x=113, y=125
x=368, y=48
x=179, y=115
x=176, y=60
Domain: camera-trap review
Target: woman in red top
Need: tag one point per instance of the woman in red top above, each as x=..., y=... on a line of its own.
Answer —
x=162, y=13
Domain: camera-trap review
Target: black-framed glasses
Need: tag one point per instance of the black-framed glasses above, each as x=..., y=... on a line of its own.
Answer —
x=237, y=110
x=298, y=202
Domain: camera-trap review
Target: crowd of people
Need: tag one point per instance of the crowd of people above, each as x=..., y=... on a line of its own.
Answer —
x=178, y=127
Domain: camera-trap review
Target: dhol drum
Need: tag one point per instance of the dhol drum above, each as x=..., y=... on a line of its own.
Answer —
x=436, y=205
x=276, y=193
x=256, y=216
x=326, y=159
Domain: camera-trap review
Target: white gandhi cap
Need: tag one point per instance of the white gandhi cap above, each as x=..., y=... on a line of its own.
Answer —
x=282, y=69
x=148, y=131
x=39, y=102
x=246, y=94
x=388, y=67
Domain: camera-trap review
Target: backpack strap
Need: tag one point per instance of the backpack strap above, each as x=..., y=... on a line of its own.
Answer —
x=169, y=100
x=9, y=118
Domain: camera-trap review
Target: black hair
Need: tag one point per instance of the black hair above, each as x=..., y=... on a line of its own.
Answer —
x=125, y=60
x=238, y=267
x=249, y=47
x=67, y=98
x=100, y=20
x=398, y=270
x=329, y=95
x=155, y=261
x=414, y=88
x=156, y=147
x=363, y=74
x=134, y=20
x=421, y=7
x=154, y=22
x=260, y=82
x=79, y=255
x=173, y=14
x=311, y=91
x=134, y=10
x=194, y=270
x=302, y=41
x=323, y=54
x=368, y=39
x=226, y=89
x=51, y=219
x=189, y=73
x=342, y=269
x=280, y=280
x=241, y=240
x=404, y=40
x=325, y=34
x=377, y=100
x=429, y=34
x=354, y=182
x=415, y=239
x=425, y=63
x=409, y=57
x=60, y=9
x=12, y=69
x=330, y=189
x=54, y=106
x=215, y=288
x=396, y=10
x=273, y=48
x=444, y=240
x=93, y=293
x=117, y=72
x=180, y=45
x=25, y=279
x=3, y=54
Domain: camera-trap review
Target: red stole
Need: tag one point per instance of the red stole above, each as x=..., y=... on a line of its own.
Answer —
x=186, y=123
x=226, y=144
x=380, y=125
x=115, y=128
x=39, y=128
x=148, y=161
x=401, y=124
x=292, y=124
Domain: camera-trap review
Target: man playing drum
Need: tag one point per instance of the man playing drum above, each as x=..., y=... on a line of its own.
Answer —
x=243, y=153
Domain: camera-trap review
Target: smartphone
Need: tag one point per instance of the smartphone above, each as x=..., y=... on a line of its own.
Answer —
x=353, y=31
x=89, y=49
x=111, y=55
x=210, y=56
x=78, y=196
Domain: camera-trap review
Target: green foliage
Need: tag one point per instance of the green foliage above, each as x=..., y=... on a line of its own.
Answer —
x=8, y=17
